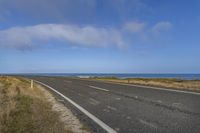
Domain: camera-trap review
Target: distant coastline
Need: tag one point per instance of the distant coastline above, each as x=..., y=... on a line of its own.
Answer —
x=117, y=75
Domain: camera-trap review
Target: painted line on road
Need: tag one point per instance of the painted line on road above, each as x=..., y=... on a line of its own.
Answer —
x=93, y=101
x=98, y=88
x=112, y=108
x=143, y=86
x=155, y=88
x=148, y=123
x=66, y=81
x=91, y=116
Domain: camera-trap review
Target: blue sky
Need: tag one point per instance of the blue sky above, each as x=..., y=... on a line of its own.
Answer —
x=99, y=36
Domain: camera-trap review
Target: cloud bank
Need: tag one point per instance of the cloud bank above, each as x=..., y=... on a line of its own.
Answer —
x=29, y=37
x=26, y=37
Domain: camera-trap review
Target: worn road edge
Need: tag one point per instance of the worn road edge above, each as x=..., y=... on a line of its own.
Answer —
x=91, y=116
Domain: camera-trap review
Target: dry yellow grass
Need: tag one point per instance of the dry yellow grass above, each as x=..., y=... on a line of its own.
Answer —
x=24, y=110
x=193, y=85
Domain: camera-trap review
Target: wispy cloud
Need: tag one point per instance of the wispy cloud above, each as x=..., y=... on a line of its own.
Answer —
x=125, y=8
x=144, y=31
x=161, y=27
x=134, y=26
x=28, y=37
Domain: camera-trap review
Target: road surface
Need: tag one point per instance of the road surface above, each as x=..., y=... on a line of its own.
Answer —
x=130, y=109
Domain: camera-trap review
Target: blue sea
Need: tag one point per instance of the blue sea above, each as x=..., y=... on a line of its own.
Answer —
x=123, y=75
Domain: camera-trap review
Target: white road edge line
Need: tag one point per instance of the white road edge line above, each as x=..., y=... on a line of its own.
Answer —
x=98, y=88
x=91, y=116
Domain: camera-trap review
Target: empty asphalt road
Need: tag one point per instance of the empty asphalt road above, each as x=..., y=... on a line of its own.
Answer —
x=130, y=109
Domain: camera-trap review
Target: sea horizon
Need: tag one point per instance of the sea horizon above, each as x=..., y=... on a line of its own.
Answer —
x=186, y=76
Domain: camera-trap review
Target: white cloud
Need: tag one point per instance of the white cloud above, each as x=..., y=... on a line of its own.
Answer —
x=88, y=36
x=134, y=26
x=25, y=37
x=161, y=26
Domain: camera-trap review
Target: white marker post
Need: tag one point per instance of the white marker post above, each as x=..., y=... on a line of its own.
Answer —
x=31, y=83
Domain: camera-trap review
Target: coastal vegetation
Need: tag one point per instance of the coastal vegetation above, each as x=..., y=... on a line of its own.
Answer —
x=25, y=110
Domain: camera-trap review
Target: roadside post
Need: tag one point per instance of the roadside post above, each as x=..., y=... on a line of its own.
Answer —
x=31, y=84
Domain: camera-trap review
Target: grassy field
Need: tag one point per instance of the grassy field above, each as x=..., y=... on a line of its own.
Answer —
x=24, y=110
x=193, y=85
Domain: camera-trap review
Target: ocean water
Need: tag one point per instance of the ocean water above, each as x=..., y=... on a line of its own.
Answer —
x=124, y=75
